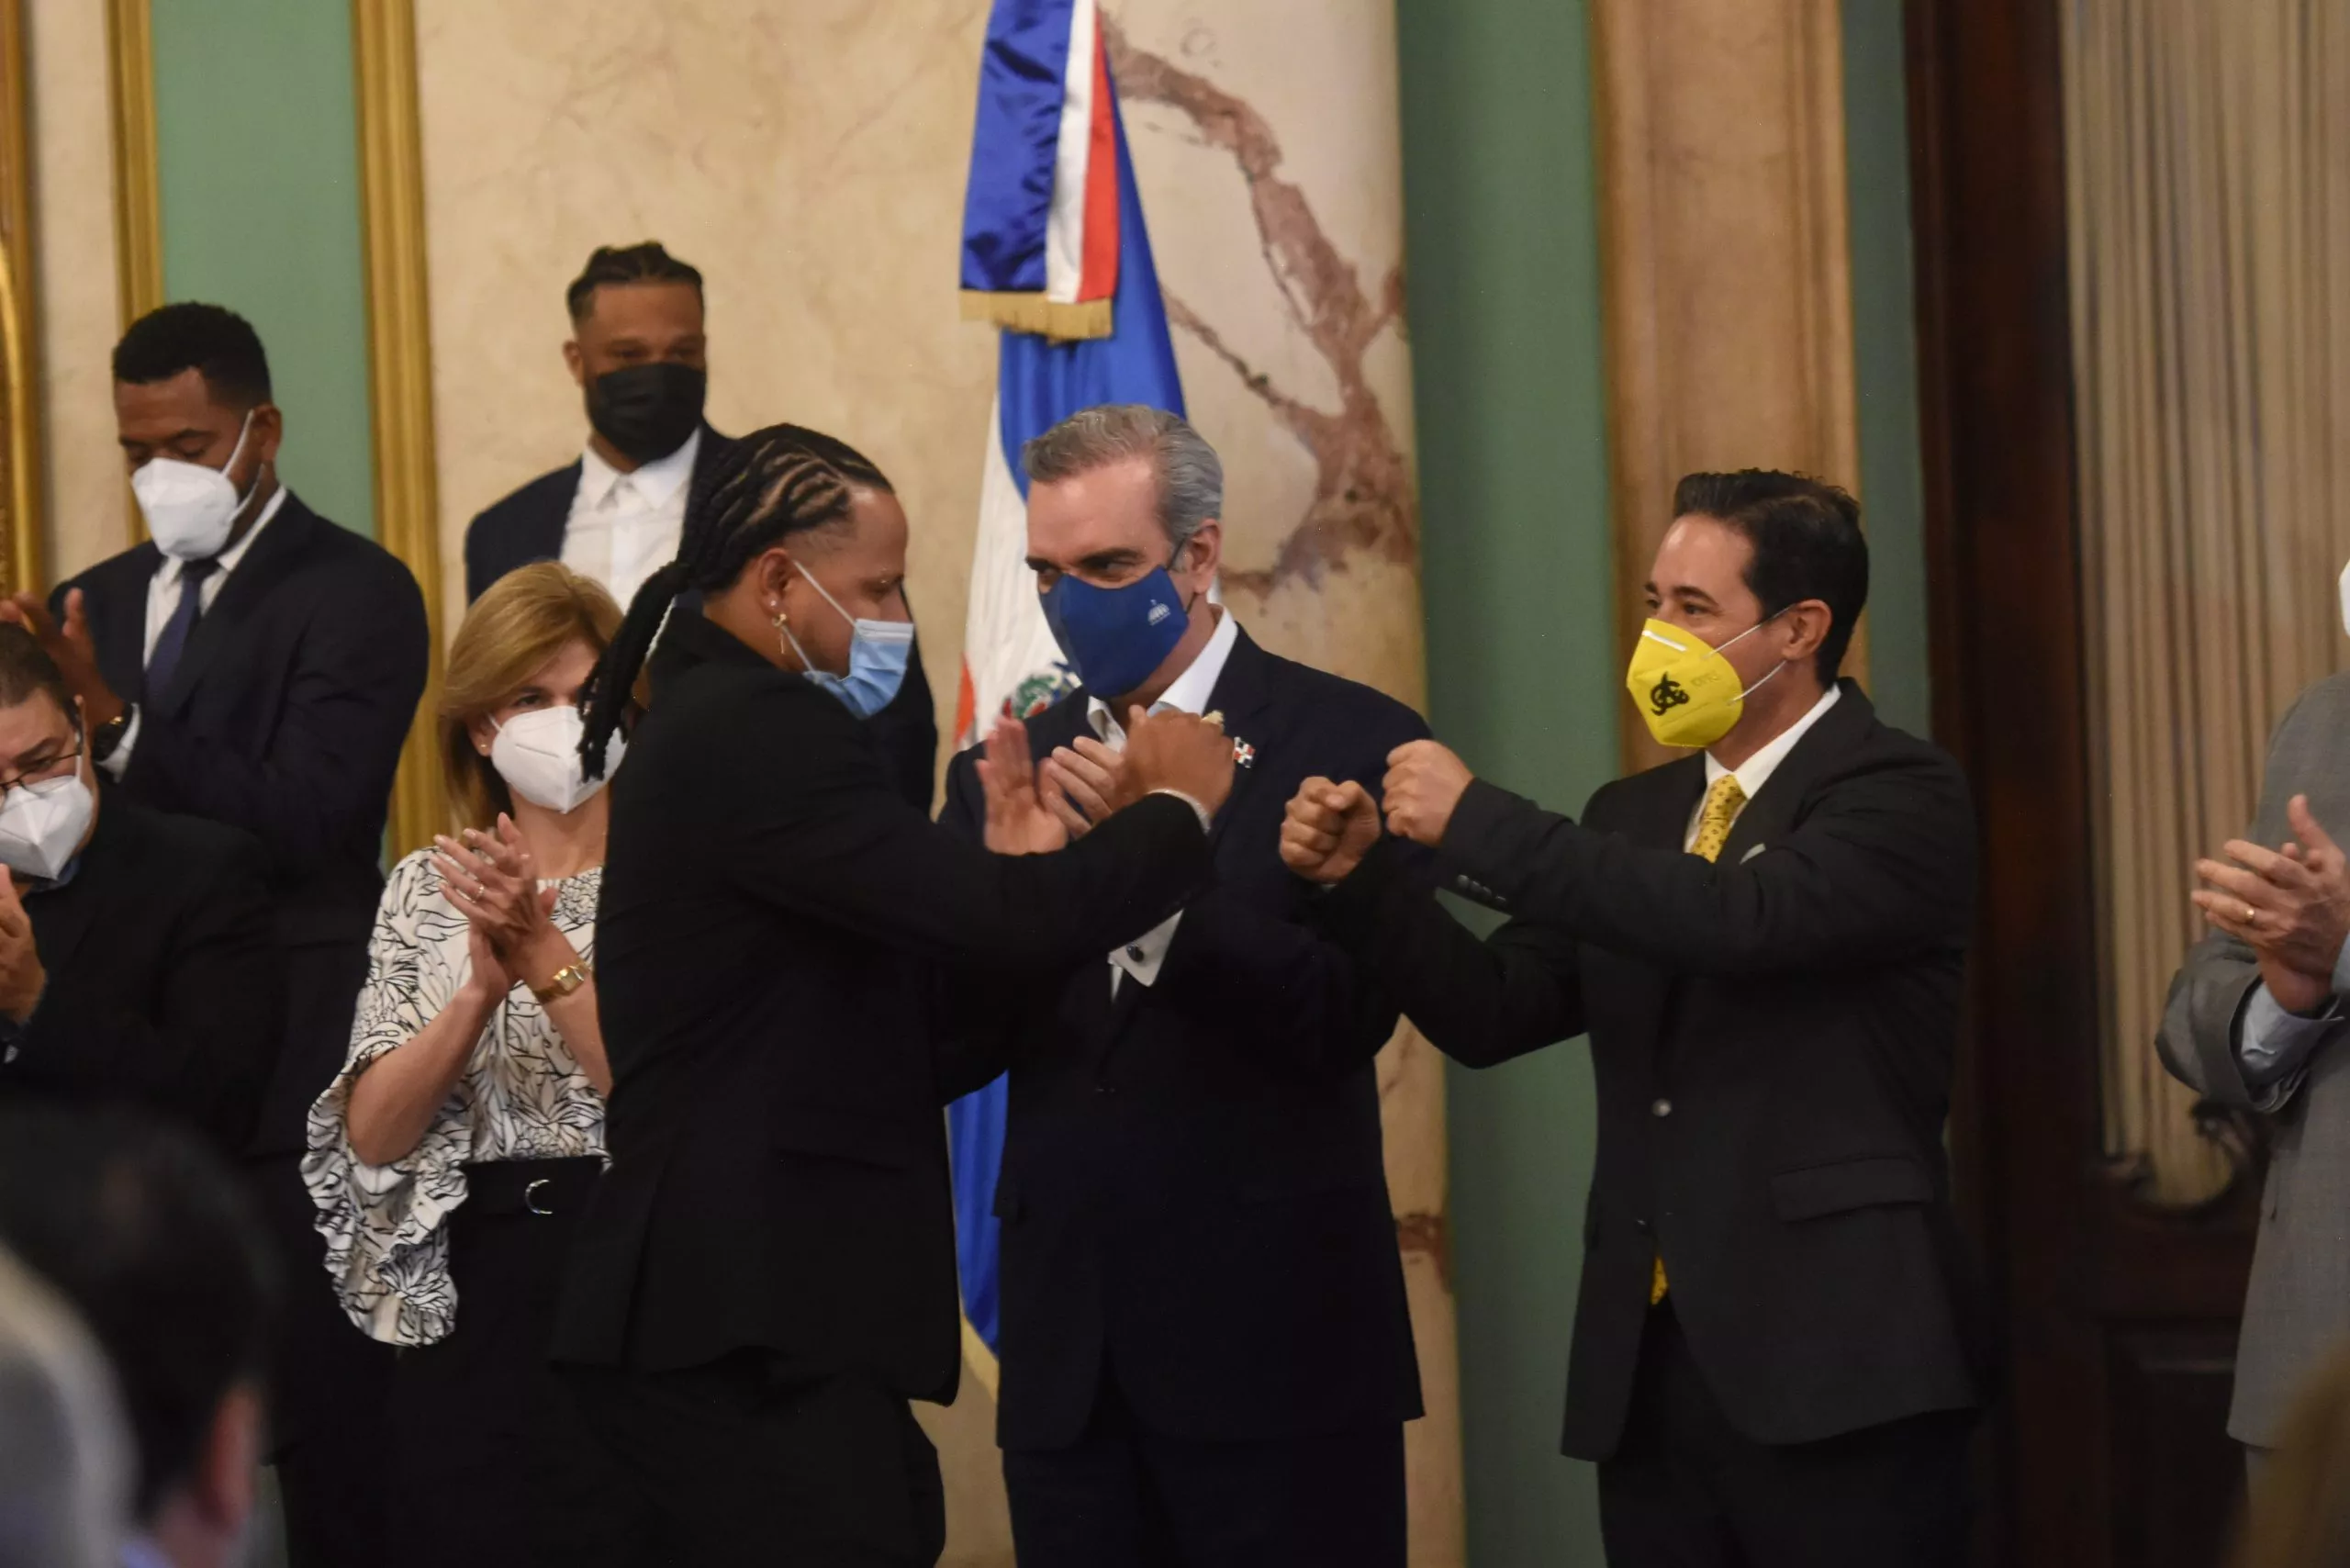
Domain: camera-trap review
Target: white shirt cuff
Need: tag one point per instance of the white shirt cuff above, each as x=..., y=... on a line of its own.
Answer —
x=117, y=761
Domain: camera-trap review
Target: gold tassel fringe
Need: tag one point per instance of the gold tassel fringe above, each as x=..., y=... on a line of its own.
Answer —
x=1034, y=313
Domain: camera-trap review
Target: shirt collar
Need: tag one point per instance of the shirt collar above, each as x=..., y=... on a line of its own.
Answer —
x=1757, y=769
x=655, y=482
x=1193, y=688
x=226, y=562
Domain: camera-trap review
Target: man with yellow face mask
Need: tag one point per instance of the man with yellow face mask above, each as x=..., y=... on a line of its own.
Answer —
x=1774, y=1359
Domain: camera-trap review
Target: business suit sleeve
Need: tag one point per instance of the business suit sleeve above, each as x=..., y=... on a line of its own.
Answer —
x=349, y=700
x=2197, y=1039
x=1478, y=1002
x=976, y=1013
x=1881, y=868
x=204, y=1049
x=826, y=835
x=1283, y=986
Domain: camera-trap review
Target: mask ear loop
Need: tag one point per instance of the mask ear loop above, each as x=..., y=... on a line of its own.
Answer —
x=234, y=452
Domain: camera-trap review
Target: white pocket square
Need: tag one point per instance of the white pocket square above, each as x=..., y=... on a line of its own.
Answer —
x=1752, y=853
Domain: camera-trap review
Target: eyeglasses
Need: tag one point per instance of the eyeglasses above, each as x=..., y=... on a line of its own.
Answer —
x=40, y=772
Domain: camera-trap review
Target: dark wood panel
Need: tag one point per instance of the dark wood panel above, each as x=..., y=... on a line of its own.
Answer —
x=2103, y=1422
x=2169, y=1405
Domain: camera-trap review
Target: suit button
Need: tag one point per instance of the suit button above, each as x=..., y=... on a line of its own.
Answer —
x=8, y=1059
x=1661, y=1108
x=1643, y=1227
x=1134, y=955
x=1106, y=1089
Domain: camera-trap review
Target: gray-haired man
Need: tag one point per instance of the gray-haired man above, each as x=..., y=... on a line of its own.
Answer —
x=1207, y=1357
x=2256, y=1020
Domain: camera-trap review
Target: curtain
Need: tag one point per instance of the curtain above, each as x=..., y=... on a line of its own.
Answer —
x=2208, y=171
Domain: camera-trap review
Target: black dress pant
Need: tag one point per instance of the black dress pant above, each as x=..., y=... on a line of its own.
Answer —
x=1686, y=1489
x=1126, y=1498
x=328, y=1383
x=736, y=1463
x=492, y=1464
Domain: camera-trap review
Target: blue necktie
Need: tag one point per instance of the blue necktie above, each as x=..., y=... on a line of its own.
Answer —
x=166, y=659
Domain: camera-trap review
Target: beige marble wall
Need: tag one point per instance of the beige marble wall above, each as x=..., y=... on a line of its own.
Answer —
x=808, y=158
x=811, y=159
x=87, y=503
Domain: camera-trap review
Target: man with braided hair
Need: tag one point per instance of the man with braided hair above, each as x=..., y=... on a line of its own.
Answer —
x=767, y=1275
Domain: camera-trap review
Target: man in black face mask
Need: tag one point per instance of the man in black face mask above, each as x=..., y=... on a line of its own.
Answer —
x=640, y=355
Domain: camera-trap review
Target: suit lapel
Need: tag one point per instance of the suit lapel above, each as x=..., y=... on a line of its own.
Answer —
x=1772, y=810
x=272, y=555
x=1243, y=697
x=545, y=527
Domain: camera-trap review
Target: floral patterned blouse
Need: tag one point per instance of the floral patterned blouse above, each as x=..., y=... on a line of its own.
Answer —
x=522, y=1097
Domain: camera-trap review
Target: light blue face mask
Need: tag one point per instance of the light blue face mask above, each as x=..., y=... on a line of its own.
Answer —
x=879, y=651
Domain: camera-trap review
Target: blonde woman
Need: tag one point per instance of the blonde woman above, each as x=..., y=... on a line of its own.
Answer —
x=451, y=1156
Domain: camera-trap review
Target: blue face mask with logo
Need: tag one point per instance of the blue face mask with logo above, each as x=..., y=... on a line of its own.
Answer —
x=1115, y=637
x=879, y=651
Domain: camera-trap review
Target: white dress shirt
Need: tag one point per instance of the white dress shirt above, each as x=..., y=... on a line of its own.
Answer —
x=164, y=598
x=1756, y=770
x=624, y=527
x=1189, y=694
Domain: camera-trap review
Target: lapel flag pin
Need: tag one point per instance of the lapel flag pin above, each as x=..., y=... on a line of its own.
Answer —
x=1243, y=754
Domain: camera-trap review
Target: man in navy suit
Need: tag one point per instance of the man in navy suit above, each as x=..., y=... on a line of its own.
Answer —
x=1206, y=1352
x=256, y=665
x=641, y=355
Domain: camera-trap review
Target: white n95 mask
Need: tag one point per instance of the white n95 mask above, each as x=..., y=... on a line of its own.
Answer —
x=41, y=824
x=538, y=755
x=191, y=509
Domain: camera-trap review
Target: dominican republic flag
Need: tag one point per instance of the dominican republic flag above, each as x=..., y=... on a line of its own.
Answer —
x=1055, y=252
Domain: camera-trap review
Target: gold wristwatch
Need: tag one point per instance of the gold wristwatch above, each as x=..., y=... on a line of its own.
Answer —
x=565, y=980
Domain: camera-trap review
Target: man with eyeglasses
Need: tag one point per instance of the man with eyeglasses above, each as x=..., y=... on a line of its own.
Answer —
x=137, y=957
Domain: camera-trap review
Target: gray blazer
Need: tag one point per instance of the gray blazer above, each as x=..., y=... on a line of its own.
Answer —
x=2298, y=1308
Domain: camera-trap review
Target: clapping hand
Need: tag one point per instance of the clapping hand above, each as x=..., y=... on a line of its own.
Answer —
x=490, y=879
x=70, y=644
x=1328, y=830
x=1079, y=782
x=2292, y=902
x=1018, y=820
x=22, y=978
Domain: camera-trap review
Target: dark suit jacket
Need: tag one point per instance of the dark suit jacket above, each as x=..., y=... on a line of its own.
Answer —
x=164, y=985
x=1772, y=1038
x=1192, y=1184
x=285, y=718
x=770, y=911
x=528, y=526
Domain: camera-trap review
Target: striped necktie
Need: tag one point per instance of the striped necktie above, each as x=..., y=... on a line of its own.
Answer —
x=1723, y=802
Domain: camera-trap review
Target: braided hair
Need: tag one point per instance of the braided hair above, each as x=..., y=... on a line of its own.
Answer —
x=771, y=486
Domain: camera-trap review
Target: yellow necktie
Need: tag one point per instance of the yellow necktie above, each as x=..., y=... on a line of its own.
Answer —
x=1723, y=802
